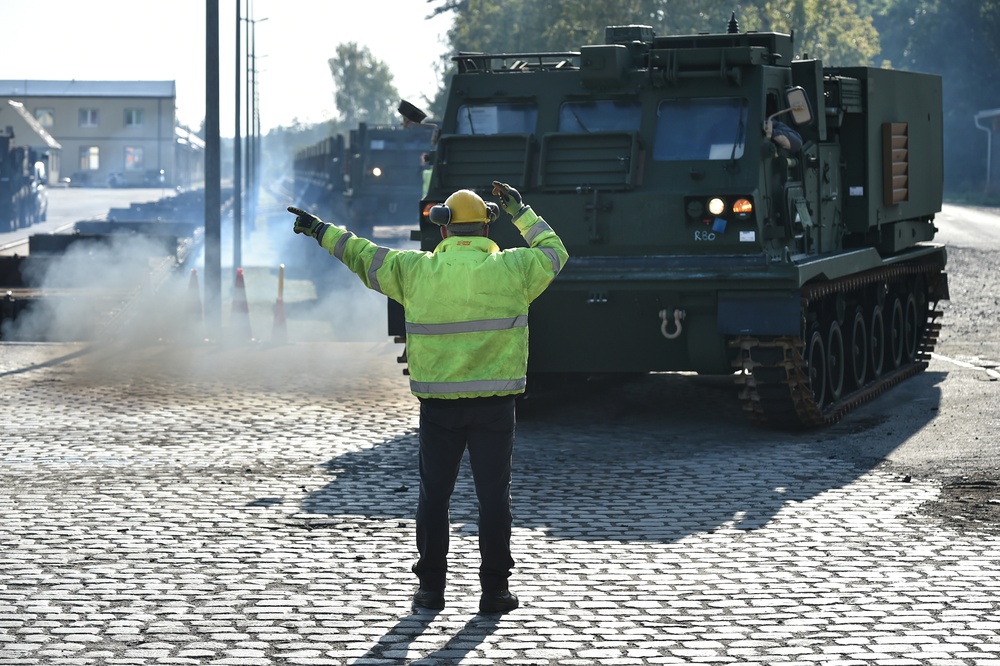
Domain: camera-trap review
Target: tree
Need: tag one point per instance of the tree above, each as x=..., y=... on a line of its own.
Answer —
x=364, y=87
x=837, y=31
x=958, y=40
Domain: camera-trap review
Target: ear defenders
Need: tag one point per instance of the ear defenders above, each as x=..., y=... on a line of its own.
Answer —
x=464, y=207
x=440, y=214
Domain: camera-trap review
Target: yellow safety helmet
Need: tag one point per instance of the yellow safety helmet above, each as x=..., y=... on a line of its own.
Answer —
x=464, y=207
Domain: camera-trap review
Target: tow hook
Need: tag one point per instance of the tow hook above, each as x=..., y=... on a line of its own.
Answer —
x=665, y=323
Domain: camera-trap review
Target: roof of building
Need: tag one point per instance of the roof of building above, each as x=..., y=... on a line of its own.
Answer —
x=36, y=88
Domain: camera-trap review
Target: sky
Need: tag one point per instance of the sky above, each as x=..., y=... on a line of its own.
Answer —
x=164, y=40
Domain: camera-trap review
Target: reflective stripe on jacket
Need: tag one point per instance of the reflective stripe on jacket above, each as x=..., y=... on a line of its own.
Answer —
x=466, y=304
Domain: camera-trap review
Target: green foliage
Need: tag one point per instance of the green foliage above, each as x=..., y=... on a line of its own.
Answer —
x=960, y=41
x=364, y=87
x=840, y=32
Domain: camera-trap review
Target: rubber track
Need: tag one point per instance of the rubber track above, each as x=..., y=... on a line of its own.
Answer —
x=785, y=356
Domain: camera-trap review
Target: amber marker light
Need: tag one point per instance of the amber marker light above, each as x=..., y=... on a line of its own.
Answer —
x=743, y=207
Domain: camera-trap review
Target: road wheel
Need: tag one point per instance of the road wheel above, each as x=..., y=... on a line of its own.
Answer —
x=897, y=332
x=816, y=365
x=835, y=360
x=912, y=328
x=876, y=343
x=858, y=345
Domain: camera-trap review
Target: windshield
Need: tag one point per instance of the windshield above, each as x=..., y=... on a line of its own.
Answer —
x=497, y=119
x=700, y=129
x=600, y=116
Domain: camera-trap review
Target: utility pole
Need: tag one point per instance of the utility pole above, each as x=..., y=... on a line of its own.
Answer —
x=213, y=186
x=238, y=156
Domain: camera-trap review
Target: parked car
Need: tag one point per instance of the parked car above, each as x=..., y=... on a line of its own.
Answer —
x=154, y=177
x=116, y=179
x=79, y=179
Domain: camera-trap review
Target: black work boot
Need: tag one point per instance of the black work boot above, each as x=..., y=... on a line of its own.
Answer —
x=497, y=602
x=429, y=599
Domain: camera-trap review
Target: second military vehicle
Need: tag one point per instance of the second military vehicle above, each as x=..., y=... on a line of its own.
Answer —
x=23, y=200
x=727, y=207
x=372, y=177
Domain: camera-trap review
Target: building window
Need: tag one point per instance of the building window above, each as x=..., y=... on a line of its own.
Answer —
x=45, y=117
x=90, y=158
x=133, y=158
x=88, y=117
x=133, y=117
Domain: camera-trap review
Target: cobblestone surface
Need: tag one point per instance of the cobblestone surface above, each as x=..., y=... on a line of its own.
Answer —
x=253, y=506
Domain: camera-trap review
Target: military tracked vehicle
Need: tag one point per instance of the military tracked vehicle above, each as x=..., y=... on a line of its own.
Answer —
x=371, y=177
x=699, y=239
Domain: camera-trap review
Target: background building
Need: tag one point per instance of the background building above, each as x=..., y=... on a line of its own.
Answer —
x=118, y=133
x=17, y=121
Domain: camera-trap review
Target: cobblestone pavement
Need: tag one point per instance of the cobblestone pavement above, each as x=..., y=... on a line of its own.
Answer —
x=253, y=505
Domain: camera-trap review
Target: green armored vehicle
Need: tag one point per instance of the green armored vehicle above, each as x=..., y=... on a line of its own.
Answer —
x=703, y=235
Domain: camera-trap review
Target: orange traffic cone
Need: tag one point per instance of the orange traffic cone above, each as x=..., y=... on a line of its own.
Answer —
x=279, y=330
x=240, y=318
x=195, y=314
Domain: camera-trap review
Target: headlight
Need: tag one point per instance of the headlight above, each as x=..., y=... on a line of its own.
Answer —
x=377, y=171
x=716, y=206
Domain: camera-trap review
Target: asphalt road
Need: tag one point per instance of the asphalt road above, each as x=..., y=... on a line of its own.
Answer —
x=68, y=205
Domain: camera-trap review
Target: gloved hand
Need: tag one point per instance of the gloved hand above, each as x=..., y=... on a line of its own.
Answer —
x=307, y=223
x=510, y=199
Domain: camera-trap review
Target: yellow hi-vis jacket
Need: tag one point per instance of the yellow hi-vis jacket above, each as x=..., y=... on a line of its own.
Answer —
x=466, y=304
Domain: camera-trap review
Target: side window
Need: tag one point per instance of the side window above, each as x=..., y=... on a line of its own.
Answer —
x=600, y=116
x=88, y=118
x=45, y=117
x=497, y=119
x=133, y=158
x=133, y=117
x=90, y=158
x=700, y=129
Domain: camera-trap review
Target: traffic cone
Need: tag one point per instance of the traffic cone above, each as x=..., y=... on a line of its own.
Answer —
x=279, y=330
x=239, y=320
x=195, y=313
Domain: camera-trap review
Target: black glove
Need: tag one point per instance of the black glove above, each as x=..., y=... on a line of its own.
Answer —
x=307, y=223
x=510, y=199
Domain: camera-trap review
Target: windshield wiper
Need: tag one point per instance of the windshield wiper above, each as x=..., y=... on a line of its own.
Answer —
x=740, y=128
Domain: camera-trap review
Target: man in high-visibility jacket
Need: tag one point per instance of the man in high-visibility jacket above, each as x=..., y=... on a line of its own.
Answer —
x=466, y=306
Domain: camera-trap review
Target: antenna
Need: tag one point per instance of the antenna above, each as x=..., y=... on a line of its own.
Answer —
x=734, y=25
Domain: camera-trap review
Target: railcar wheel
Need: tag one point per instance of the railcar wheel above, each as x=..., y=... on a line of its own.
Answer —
x=897, y=328
x=816, y=364
x=911, y=328
x=876, y=343
x=835, y=360
x=859, y=349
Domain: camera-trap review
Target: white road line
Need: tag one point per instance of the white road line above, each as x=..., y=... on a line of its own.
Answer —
x=962, y=364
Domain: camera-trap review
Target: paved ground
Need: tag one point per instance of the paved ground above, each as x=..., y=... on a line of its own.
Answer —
x=252, y=504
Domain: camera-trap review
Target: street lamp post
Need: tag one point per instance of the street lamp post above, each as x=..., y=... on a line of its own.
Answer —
x=252, y=120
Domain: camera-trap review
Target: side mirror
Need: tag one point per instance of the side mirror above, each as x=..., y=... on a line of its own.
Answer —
x=798, y=104
x=414, y=116
x=40, y=173
x=411, y=114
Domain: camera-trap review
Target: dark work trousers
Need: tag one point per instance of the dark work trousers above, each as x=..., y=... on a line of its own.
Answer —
x=447, y=427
